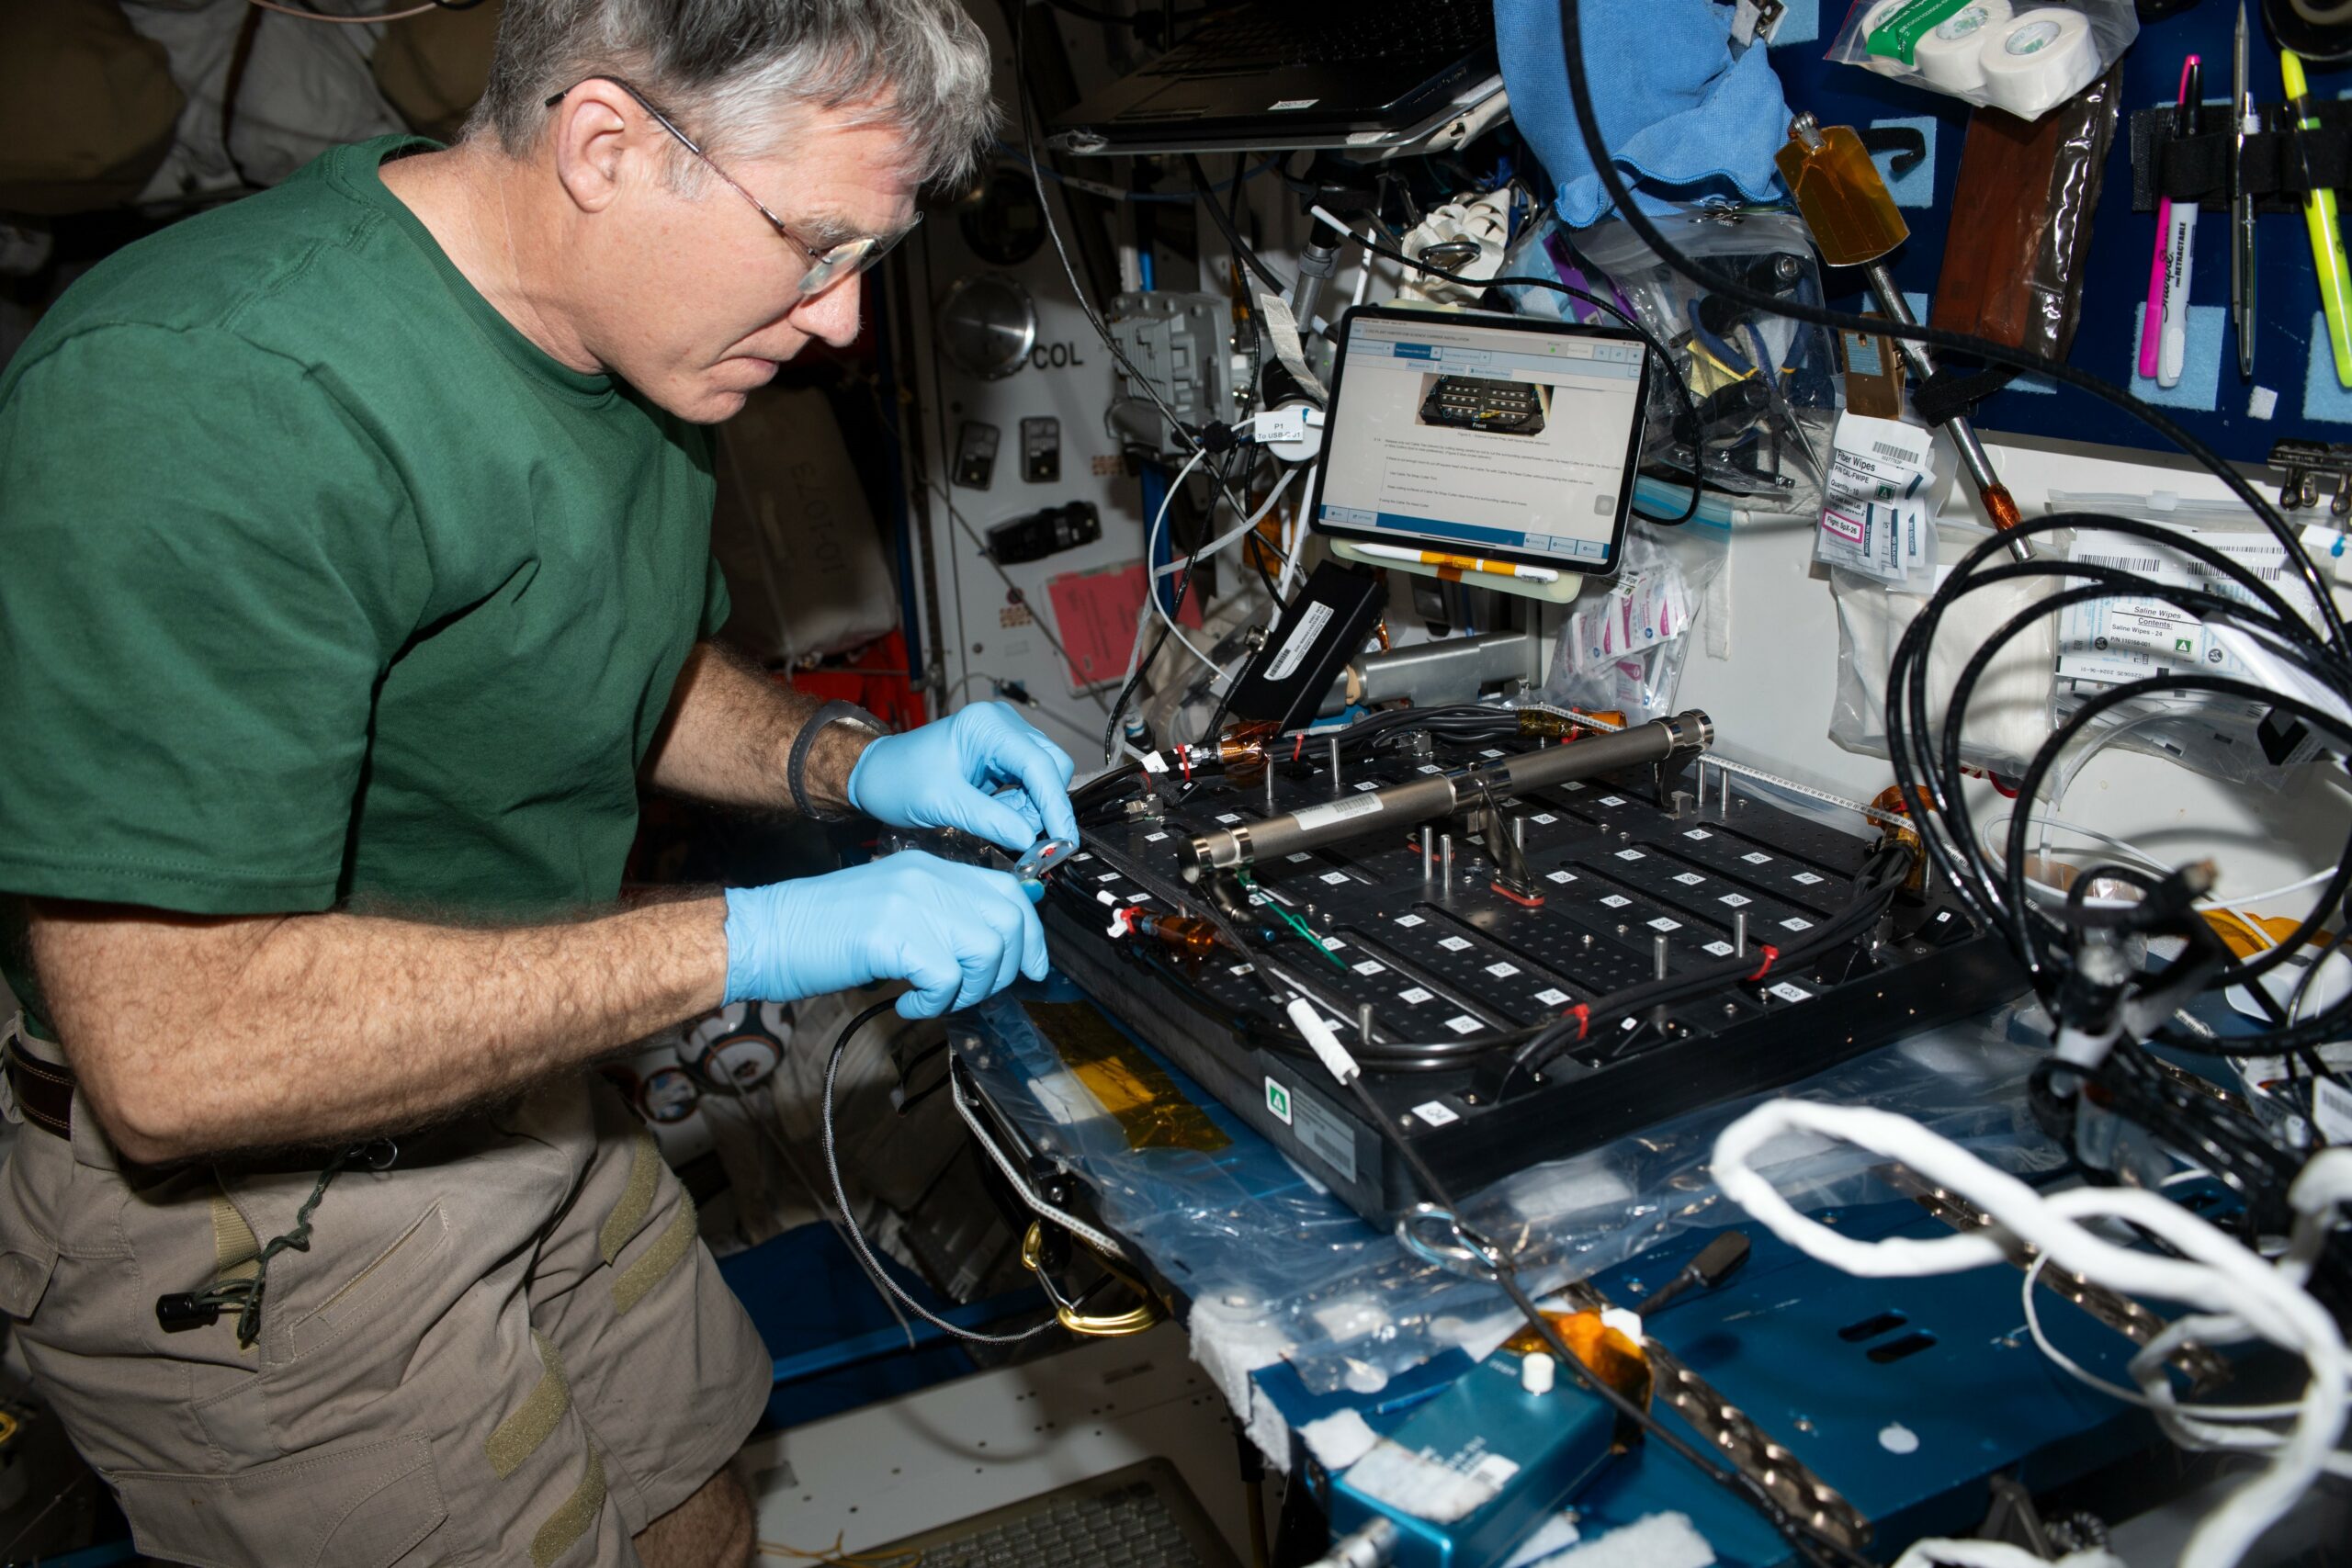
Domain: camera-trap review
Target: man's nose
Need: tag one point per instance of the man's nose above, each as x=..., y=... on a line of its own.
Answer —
x=833, y=315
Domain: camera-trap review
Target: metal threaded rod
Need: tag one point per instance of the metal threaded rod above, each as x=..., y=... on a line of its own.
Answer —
x=1427, y=799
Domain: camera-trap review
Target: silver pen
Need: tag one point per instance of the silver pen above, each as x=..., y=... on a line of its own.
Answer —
x=2242, y=270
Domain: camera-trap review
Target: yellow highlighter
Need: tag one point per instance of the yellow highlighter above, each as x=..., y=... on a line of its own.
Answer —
x=2327, y=235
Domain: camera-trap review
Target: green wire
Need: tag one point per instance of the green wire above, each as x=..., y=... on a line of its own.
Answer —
x=244, y=1296
x=1273, y=906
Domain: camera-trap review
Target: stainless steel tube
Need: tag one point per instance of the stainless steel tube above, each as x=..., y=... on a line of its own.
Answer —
x=2000, y=508
x=1450, y=669
x=1426, y=799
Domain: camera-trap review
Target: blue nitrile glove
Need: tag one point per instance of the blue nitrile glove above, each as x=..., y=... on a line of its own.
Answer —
x=957, y=933
x=943, y=775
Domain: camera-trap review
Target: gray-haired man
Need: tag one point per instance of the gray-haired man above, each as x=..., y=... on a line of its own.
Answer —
x=357, y=574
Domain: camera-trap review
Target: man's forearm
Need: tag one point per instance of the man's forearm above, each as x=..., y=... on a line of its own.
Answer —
x=729, y=733
x=317, y=1029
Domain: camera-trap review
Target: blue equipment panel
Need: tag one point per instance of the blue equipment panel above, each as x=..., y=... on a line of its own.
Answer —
x=2291, y=359
x=1902, y=1394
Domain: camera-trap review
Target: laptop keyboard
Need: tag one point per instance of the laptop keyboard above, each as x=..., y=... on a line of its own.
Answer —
x=1371, y=31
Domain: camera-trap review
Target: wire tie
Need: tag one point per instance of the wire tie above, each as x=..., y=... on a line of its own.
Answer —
x=1772, y=956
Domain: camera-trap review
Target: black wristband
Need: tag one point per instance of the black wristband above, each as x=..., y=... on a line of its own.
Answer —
x=832, y=713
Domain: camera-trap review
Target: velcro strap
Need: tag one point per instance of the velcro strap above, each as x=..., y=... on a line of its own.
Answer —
x=1947, y=393
x=2278, y=166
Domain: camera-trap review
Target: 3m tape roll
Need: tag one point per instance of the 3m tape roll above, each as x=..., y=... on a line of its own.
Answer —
x=1949, y=54
x=2037, y=59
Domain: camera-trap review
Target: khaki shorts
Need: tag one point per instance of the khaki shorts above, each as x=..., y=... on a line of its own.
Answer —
x=508, y=1346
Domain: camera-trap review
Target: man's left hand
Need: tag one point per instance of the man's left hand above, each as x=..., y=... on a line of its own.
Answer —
x=945, y=775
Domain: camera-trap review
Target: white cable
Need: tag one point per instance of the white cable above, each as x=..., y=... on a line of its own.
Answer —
x=1932, y=1552
x=1219, y=543
x=1151, y=589
x=2235, y=905
x=2240, y=1295
x=873, y=1264
x=2089, y=1379
x=1293, y=541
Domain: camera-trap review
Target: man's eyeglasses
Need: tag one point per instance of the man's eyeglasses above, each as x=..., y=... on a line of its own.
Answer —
x=825, y=268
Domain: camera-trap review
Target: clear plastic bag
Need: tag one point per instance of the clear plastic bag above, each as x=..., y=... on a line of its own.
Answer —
x=1275, y=1269
x=1766, y=388
x=2102, y=644
x=1623, y=648
x=2010, y=709
x=2018, y=56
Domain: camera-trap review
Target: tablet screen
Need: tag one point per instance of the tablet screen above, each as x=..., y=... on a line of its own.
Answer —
x=1485, y=435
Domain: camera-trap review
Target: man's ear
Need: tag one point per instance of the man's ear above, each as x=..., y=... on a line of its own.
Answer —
x=598, y=131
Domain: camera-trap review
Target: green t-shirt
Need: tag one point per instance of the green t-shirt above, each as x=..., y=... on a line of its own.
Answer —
x=320, y=583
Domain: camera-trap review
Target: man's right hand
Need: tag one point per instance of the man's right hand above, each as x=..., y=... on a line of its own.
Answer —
x=957, y=934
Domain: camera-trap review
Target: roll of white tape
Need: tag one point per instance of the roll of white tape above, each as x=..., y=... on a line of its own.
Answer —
x=2037, y=59
x=1949, y=54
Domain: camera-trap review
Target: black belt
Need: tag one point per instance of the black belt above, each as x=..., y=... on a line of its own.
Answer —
x=44, y=1092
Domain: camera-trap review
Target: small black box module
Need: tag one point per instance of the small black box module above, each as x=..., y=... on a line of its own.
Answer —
x=1324, y=627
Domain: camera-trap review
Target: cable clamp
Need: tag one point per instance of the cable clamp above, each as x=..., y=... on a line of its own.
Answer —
x=1772, y=956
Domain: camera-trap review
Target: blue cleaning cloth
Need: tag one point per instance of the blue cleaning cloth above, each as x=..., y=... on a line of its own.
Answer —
x=1684, y=121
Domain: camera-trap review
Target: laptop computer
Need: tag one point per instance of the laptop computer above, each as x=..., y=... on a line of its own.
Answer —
x=1282, y=74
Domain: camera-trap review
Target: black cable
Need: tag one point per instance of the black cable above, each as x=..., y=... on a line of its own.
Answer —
x=1183, y=586
x=1928, y=766
x=865, y=1258
x=1242, y=252
x=1190, y=439
x=1876, y=887
x=1597, y=148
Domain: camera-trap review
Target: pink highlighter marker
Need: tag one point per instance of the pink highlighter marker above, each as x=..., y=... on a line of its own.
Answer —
x=2160, y=269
